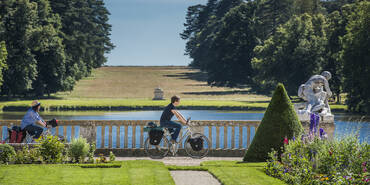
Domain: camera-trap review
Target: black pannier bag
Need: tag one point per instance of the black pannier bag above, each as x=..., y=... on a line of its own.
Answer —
x=155, y=136
x=53, y=123
x=196, y=143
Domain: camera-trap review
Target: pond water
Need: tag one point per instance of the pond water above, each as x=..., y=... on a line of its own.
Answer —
x=345, y=124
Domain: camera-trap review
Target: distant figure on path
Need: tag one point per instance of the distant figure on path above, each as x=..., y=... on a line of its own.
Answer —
x=167, y=115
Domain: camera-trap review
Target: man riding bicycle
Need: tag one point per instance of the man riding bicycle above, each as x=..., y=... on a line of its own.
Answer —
x=32, y=122
x=167, y=115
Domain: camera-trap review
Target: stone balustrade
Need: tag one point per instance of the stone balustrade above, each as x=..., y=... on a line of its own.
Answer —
x=126, y=137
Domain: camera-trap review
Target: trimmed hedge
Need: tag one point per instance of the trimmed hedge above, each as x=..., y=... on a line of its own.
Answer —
x=100, y=165
x=279, y=121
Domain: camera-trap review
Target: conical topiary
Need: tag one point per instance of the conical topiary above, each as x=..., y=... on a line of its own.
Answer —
x=280, y=120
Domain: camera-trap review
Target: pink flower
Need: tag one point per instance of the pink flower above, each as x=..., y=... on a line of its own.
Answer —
x=286, y=141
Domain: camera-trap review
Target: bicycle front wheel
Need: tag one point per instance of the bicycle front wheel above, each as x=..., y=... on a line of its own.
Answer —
x=199, y=149
x=157, y=151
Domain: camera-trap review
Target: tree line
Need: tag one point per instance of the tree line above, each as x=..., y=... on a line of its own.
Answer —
x=48, y=45
x=259, y=43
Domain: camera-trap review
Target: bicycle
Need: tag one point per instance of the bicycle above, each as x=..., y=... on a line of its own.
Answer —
x=27, y=137
x=196, y=144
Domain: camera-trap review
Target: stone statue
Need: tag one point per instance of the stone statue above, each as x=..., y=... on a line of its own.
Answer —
x=316, y=93
x=158, y=94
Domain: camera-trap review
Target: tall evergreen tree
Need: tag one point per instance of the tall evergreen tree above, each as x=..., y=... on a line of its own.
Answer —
x=292, y=54
x=356, y=57
x=333, y=63
x=232, y=48
x=207, y=24
x=20, y=22
x=49, y=52
x=3, y=56
x=85, y=34
x=272, y=13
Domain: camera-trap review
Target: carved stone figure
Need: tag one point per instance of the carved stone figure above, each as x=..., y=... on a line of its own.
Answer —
x=316, y=93
x=158, y=94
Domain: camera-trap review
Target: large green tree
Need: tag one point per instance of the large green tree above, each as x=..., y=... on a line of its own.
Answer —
x=20, y=23
x=333, y=63
x=85, y=34
x=49, y=52
x=272, y=13
x=3, y=56
x=356, y=58
x=232, y=49
x=202, y=24
x=294, y=53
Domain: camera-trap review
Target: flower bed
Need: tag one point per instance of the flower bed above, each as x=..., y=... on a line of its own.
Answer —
x=50, y=149
x=313, y=159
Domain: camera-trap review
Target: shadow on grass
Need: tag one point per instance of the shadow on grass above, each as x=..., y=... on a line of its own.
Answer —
x=197, y=76
x=20, y=98
x=218, y=93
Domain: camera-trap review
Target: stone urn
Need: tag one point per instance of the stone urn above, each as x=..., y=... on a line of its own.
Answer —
x=158, y=94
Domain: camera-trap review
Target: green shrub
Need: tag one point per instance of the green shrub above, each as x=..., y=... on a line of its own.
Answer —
x=51, y=149
x=101, y=159
x=27, y=156
x=317, y=161
x=279, y=121
x=6, y=153
x=79, y=149
x=90, y=155
x=101, y=165
x=112, y=157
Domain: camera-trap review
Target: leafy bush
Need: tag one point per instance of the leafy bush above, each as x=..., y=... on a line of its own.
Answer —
x=101, y=165
x=79, y=149
x=90, y=155
x=27, y=156
x=51, y=149
x=6, y=153
x=312, y=160
x=112, y=157
x=279, y=121
x=101, y=159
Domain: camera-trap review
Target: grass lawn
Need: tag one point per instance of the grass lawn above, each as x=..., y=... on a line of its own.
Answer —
x=131, y=172
x=140, y=82
x=234, y=173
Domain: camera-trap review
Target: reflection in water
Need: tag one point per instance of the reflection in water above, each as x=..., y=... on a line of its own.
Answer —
x=344, y=124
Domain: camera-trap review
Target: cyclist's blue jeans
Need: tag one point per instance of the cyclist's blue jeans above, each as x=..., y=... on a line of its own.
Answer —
x=34, y=131
x=172, y=127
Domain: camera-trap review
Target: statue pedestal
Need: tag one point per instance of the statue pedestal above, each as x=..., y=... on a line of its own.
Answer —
x=326, y=122
x=304, y=115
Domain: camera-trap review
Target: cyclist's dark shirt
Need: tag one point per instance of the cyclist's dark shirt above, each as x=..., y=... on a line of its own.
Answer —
x=167, y=113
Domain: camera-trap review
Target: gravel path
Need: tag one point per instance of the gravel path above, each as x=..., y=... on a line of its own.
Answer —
x=193, y=178
x=182, y=161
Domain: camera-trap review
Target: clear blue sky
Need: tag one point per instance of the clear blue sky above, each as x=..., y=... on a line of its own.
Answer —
x=146, y=32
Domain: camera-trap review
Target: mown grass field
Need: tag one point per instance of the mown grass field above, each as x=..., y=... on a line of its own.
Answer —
x=140, y=82
x=132, y=88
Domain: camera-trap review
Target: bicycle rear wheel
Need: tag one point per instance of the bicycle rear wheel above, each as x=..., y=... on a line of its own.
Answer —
x=157, y=151
x=197, y=152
